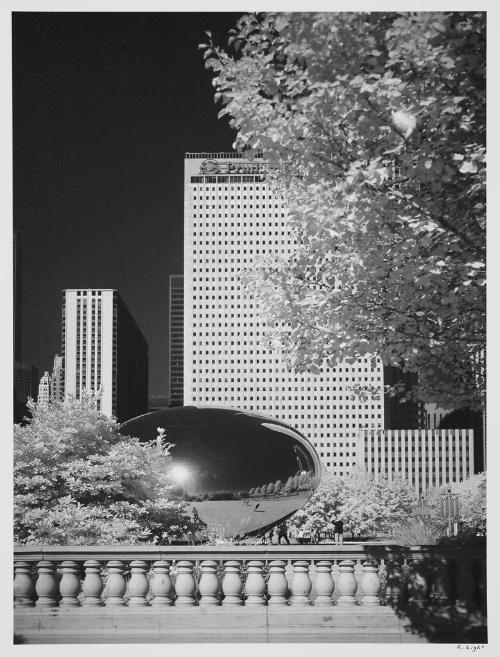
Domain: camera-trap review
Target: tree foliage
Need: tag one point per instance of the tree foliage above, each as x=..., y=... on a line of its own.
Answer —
x=364, y=505
x=375, y=126
x=471, y=500
x=77, y=480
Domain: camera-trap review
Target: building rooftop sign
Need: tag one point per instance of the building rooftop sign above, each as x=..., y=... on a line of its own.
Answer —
x=216, y=167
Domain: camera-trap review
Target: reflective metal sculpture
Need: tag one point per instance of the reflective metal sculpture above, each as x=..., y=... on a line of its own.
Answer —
x=241, y=472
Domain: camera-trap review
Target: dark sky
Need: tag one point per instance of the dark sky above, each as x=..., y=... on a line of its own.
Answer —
x=105, y=106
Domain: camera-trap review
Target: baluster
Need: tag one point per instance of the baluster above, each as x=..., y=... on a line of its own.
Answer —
x=185, y=585
x=92, y=585
x=232, y=584
x=255, y=586
x=370, y=583
x=277, y=586
x=138, y=585
x=301, y=583
x=24, y=586
x=324, y=585
x=46, y=584
x=161, y=584
x=69, y=586
x=209, y=584
x=346, y=583
x=115, y=584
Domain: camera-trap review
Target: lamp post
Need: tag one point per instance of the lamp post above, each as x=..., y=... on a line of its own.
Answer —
x=449, y=508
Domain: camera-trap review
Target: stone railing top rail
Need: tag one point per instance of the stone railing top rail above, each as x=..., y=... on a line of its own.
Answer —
x=241, y=552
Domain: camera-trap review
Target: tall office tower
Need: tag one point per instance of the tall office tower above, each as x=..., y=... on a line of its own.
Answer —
x=425, y=458
x=57, y=393
x=17, y=289
x=104, y=351
x=176, y=340
x=232, y=218
x=45, y=390
x=25, y=382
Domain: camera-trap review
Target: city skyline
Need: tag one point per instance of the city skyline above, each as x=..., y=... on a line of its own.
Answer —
x=105, y=107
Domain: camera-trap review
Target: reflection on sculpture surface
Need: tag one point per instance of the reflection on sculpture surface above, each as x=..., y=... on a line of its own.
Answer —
x=240, y=471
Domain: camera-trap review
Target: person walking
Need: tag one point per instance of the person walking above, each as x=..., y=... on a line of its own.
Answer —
x=338, y=529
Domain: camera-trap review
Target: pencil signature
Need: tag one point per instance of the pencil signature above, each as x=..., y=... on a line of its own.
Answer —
x=470, y=646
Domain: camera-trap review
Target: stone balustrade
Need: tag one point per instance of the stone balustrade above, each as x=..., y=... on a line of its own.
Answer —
x=295, y=576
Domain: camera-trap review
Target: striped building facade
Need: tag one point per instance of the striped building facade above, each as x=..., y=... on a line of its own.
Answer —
x=425, y=458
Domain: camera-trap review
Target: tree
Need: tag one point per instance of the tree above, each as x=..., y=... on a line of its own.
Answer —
x=77, y=480
x=471, y=500
x=375, y=126
x=365, y=505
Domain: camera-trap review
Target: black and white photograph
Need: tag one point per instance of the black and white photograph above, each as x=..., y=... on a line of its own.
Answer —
x=248, y=290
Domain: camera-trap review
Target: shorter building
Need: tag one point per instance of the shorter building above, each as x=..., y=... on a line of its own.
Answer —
x=45, y=390
x=425, y=458
x=57, y=381
x=434, y=415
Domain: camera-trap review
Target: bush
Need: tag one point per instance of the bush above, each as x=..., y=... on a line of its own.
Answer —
x=415, y=531
x=78, y=481
x=364, y=505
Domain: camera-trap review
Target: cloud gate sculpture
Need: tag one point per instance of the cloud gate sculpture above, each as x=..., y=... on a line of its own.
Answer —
x=241, y=472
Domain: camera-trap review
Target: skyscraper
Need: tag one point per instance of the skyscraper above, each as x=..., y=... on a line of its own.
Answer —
x=25, y=382
x=104, y=351
x=57, y=391
x=17, y=289
x=176, y=340
x=232, y=218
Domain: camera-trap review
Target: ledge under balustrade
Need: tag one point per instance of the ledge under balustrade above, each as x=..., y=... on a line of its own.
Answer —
x=357, y=593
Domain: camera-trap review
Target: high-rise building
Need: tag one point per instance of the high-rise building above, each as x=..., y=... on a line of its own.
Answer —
x=232, y=217
x=45, y=390
x=25, y=381
x=104, y=352
x=157, y=403
x=57, y=391
x=17, y=289
x=176, y=340
x=425, y=458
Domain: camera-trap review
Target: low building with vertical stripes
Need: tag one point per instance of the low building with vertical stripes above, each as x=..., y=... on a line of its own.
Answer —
x=425, y=458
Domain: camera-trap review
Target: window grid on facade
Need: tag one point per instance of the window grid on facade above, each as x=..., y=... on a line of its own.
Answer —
x=229, y=222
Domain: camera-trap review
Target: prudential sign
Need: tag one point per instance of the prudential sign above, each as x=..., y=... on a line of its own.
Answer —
x=213, y=168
